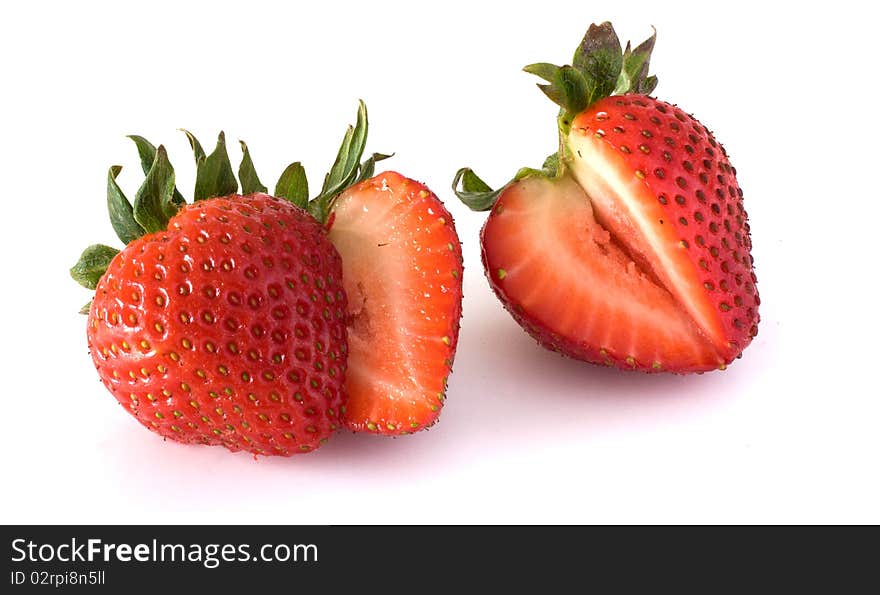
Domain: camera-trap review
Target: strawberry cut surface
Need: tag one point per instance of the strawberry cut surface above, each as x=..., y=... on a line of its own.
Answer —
x=665, y=189
x=567, y=282
x=402, y=274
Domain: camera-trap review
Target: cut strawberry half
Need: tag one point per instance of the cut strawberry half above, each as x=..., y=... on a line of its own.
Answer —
x=630, y=246
x=575, y=289
x=402, y=273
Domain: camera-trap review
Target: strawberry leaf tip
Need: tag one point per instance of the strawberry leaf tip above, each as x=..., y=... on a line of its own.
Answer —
x=293, y=185
x=599, y=69
x=250, y=181
x=92, y=264
x=121, y=213
x=479, y=196
x=474, y=192
x=153, y=203
x=344, y=171
x=368, y=167
x=147, y=153
x=214, y=175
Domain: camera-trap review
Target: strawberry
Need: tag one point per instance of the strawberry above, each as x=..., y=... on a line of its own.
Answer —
x=402, y=272
x=227, y=328
x=631, y=246
x=224, y=322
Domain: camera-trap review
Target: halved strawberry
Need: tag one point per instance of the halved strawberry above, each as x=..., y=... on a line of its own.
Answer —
x=402, y=272
x=569, y=284
x=630, y=247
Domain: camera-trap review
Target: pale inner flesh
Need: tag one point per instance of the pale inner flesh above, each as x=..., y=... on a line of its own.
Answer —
x=624, y=206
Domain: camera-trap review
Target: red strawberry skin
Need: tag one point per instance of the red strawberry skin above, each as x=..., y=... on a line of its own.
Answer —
x=683, y=215
x=228, y=328
x=402, y=272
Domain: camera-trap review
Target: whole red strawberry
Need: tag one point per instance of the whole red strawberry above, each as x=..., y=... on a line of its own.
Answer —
x=631, y=247
x=226, y=324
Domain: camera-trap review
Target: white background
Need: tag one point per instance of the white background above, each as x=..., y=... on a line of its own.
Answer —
x=787, y=434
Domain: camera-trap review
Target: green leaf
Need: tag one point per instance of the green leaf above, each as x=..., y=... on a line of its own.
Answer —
x=475, y=193
x=544, y=70
x=147, y=153
x=153, y=203
x=121, y=213
x=250, y=182
x=348, y=158
x=368, y=167
x=551, y=165
x=600, y=59
x=345, y=167
x=471, y=182
x=92, y=265
x=214, y=175
x=293, y=185
x=575, y=90
x=85, y=309
x=554, y=93
x=195, y=145
x=648, y=85
x=634, y=75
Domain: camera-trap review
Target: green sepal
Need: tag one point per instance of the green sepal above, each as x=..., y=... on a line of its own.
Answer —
x=195, y=145
x=479, y=196
x=600, y=59
x=92, y=265
x=154, y=202
x=345, y=168
x=86, y=308
x=121, y=212
x=293, y=185
x=599, y=69
x=214, y=174
x=368, y=167
x=474, y=192
x=551, y=165
x=544, y=70
x=247, y=174
x=147, y=154
x=634, y=74
x=575, y=89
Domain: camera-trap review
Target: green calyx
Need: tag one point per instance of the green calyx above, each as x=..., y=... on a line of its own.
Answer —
x=600, y=68
x=158, y=199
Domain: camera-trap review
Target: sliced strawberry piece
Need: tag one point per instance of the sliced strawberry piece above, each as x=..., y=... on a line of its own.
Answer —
x=573, y=287
x=402, y=272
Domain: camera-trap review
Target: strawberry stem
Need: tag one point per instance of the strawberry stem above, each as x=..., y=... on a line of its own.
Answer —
x=599, y=69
